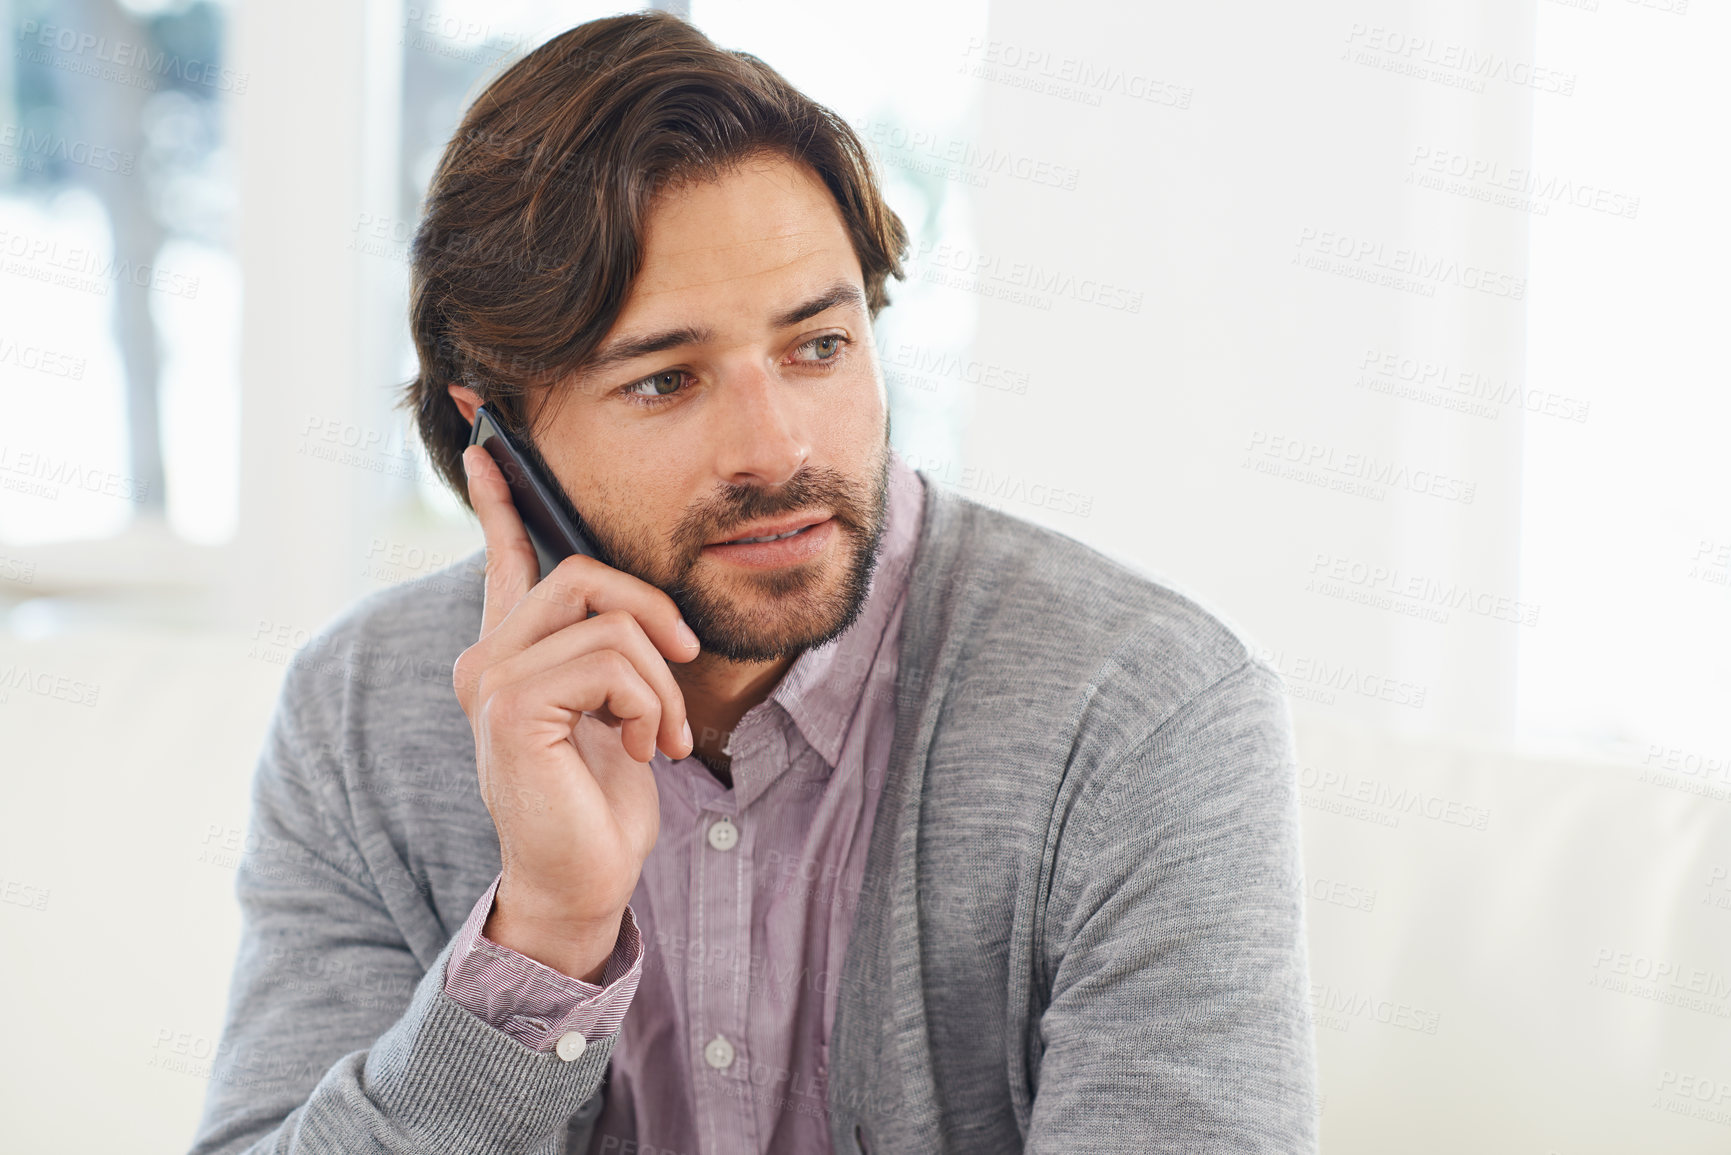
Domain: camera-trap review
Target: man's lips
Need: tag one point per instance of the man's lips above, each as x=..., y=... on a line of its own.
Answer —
x=778, y=528
x=807, y=539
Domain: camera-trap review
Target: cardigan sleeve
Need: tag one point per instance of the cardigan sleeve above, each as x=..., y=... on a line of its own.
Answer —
x=1179, y=1009
x=336, y=1039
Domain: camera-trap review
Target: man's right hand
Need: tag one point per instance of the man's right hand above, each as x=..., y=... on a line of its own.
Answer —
x=567, y=710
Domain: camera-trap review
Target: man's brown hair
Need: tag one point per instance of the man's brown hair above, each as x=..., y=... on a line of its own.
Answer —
x=534, y=219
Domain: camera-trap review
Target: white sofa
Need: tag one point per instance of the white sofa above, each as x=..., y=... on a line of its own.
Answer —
x=1515, y=954
x=1508, y=954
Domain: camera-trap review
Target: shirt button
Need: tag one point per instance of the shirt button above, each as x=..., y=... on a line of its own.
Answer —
x=723, y=835
x=718, y=1052
x=571, y=1044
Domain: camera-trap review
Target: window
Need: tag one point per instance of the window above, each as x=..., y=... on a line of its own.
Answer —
x=119, y=289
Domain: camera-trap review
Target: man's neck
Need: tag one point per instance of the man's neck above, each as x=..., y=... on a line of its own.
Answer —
x=718, y=693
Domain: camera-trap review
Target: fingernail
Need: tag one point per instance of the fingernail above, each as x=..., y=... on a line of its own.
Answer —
x=685, y=634
x=465, y=463
x=689, y=744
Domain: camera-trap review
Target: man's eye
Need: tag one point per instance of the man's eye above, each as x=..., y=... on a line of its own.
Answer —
x=660, y=385
x=831, y=346
x=827, y=350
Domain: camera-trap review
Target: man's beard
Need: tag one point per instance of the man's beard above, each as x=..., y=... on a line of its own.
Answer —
x=801, y=611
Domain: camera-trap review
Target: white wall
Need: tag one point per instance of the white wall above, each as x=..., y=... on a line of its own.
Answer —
x=315, y=134
x=1156, y=412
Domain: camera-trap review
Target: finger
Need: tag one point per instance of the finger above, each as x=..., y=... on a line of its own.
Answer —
x=512, y=567
x=544, y=707
x=580, y=586
x=628, y=697
x=613, y=630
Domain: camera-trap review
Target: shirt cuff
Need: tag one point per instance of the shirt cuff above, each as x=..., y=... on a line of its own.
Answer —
x=532, y=1002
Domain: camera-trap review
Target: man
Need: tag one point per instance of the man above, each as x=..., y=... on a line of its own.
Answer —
x=828, y=810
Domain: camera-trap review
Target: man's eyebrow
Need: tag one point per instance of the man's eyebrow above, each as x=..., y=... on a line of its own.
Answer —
x=624, y=349
x=840, y=293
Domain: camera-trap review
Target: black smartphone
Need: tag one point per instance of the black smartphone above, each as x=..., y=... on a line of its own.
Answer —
x=554, y=534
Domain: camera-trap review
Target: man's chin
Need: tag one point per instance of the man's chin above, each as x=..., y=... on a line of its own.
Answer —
x=768, y=615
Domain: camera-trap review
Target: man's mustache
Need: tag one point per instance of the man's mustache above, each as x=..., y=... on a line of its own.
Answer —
x=737, y=506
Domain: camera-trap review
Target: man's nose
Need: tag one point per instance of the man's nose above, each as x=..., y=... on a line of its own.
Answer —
x=760, y=430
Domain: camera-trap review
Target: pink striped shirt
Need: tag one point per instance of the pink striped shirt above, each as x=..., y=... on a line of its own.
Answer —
x=732, y=947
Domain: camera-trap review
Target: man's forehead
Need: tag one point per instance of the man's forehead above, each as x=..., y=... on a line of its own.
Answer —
x=773, y=265
x=757, y=219
x=762, y=246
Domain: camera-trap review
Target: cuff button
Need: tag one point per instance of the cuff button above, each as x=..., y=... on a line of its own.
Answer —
x=571, y=1044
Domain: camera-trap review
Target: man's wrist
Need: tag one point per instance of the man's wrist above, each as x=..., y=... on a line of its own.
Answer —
x=554, y=943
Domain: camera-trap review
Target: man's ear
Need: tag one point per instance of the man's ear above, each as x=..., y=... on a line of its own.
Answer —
x=467, y=400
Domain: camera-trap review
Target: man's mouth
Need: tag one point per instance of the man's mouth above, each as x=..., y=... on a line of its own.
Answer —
x=775, y=532
x=777, y=537
x=786, y=541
